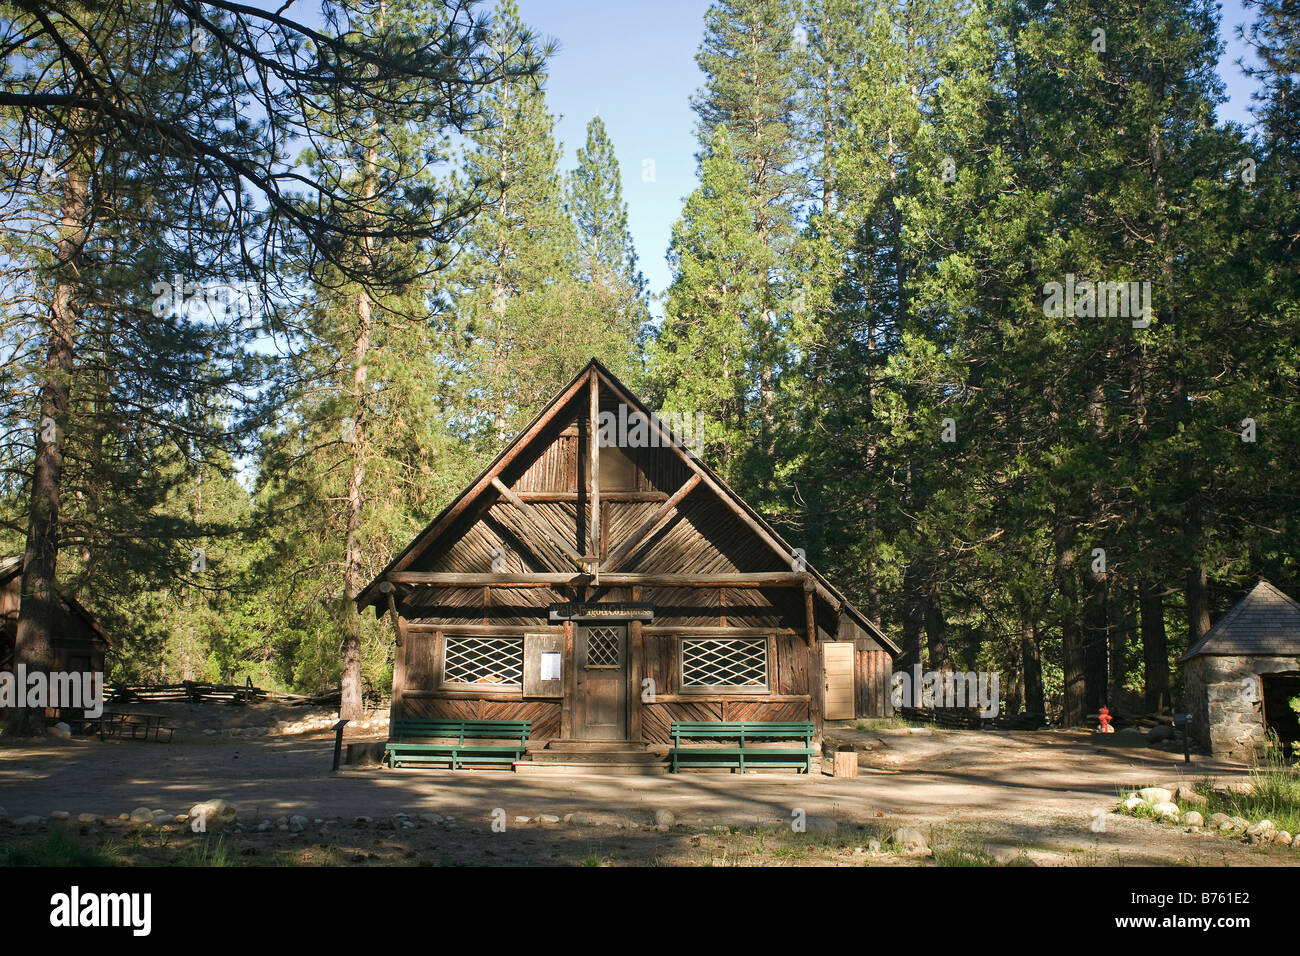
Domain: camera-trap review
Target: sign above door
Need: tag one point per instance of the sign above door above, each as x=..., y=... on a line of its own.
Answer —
x=607, y=611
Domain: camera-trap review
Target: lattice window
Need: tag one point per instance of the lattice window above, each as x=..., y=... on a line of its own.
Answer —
x=603, y=647
x=498, y=661
x=731, y=663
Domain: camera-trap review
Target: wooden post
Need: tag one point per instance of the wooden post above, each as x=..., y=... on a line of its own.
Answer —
x=399, y=655
x=635, y=673
x=593, y=455
x=570, y=683
x=810, y=617
x=816, y=686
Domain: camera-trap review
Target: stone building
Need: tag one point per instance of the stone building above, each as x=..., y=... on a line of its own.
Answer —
x=1242, y=675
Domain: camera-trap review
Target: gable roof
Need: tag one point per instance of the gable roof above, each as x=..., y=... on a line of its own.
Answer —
x=1264, y=622
x=11, y=566
x=606, y=379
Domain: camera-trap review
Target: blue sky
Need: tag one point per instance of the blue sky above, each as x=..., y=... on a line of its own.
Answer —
x=633, y=63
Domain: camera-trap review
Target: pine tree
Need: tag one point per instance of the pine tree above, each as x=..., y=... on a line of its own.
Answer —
x=704, y=357
x=606, y=257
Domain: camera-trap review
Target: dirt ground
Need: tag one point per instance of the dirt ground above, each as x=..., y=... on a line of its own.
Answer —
x=1039, y=798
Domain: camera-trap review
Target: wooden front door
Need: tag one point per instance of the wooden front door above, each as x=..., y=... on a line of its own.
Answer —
x=600, y=711
x=837, y=663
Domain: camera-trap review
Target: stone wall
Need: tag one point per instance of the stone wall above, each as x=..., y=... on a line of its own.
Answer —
x=1225, y=699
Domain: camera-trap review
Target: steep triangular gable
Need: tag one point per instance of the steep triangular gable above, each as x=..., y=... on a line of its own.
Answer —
x=694, y=479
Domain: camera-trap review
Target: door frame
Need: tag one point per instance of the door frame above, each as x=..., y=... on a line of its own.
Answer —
x=618, y=675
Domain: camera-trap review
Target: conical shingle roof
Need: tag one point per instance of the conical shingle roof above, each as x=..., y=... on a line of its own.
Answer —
x=1264, y=622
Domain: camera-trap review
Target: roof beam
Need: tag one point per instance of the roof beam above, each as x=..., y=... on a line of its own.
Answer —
x=593, y=450
x=454, y=579
x=650, y=525
x=536, y=523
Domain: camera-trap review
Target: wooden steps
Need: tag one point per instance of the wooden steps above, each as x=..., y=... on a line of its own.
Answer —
x=613, y=758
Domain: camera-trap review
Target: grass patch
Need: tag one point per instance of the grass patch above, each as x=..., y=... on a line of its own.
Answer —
x=1273, y=794
x=958, y=855
x=58, y=849
x=206, y=852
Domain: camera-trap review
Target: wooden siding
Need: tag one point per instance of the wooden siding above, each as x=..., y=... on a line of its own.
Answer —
x=875, y=669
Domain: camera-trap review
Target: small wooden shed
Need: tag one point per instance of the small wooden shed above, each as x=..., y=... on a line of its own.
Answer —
x=79, y=642
x=1241, y=676
x=604, y=588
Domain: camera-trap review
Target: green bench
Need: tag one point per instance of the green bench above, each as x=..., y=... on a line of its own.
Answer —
x=744, y=733
x=420, y=742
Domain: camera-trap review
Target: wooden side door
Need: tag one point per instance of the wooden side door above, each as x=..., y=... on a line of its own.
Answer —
x=600, y=711
x=837, y=668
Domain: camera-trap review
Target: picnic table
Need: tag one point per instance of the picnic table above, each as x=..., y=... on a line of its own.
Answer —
x=135, y=725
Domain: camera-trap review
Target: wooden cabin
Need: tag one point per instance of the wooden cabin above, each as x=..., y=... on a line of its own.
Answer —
x=603, y=589
x=79, y=642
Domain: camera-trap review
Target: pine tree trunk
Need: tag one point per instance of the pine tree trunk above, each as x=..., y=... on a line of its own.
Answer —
x=1198, y=604
x=940, y=659
x=913, y=618
x=1096, y=626
x=1155, y=650
x=1072, y=649
x=33, y=644
x=351, y=703
x=1032, y=664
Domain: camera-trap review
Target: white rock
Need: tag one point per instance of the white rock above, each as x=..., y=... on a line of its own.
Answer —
x=1154, y=795
x=581, y=819
x=1005, y=855
x=214, y=812
x=1192, y=818
x=909, y=838
x=141, y=815
x=60, y=815
x=549, y=818
x=297, y=823
x=87, y=818
x=61, y=730
x=432, y=818
x=665, y=818
x=1133, y=802
x=1166, y=811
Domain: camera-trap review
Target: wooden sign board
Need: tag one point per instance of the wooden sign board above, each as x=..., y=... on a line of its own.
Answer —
x=544, y=665
x=607, y=611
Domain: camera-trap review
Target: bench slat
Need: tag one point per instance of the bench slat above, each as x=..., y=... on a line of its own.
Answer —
x=455, y=752
x=743, y=731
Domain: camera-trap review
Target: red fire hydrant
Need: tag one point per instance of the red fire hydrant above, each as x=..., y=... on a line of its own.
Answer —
x=1103, y=715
